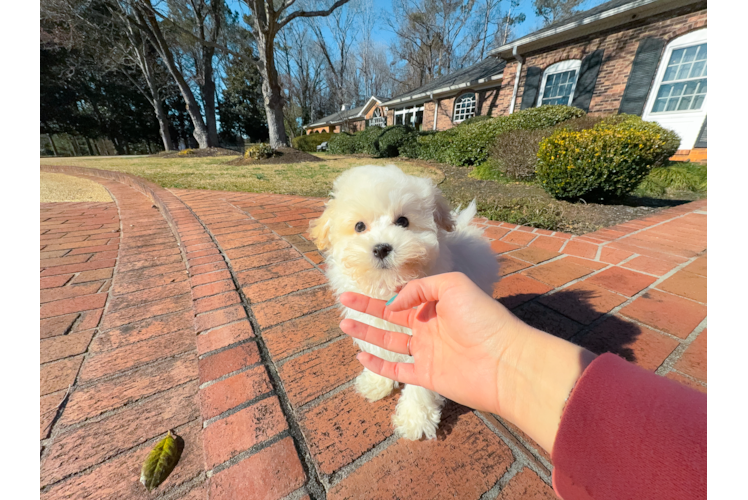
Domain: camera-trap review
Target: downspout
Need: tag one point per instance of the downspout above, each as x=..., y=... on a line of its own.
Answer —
x=436, y=108
x=520, y=60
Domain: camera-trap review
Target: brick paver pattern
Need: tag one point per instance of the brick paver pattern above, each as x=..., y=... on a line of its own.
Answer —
x=208, y=313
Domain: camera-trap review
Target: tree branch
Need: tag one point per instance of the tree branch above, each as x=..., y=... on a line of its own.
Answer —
x=312, y=13
x=207, y=43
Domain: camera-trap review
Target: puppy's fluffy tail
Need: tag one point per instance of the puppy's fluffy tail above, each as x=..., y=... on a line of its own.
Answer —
x=463, y=217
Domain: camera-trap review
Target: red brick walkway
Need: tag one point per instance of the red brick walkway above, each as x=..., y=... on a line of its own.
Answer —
x=218, y=324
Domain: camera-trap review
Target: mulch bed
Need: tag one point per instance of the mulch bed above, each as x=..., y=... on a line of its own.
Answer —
x=199, y=153
x=282, y=155
x=578, y=218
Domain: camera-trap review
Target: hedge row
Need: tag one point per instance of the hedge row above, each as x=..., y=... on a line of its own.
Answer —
x=469, y=143
x=310, y=142
x=373, y=141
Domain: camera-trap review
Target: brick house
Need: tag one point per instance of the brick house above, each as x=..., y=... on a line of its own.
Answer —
x=350, y=120
x=642, y=57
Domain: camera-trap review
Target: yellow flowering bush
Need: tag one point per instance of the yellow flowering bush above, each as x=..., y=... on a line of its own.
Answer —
x=605, y=162
x=259, y=151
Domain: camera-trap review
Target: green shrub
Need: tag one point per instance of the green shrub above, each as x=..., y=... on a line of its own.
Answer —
x=366, y=140
x=673, y=178
x=310, y=142
x=342, y=144
x=605, y=162
x=476, y=119
x=259, y=151
x=410, y=148
x=392, y=140
x=469, y=143
x=515, y=153
x=373, y=141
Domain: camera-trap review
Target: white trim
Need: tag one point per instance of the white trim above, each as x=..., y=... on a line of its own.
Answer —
x=686, y=123
x=480, y=84
x=624, y=13
x=560, y=67
x=364, y=110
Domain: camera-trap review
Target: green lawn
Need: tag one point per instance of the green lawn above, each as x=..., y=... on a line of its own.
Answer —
x=306, y=179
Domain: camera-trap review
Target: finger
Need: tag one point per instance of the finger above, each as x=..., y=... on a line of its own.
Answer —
x=400, y=372
x=375, y=307
x=424, y=290
x=392, y=341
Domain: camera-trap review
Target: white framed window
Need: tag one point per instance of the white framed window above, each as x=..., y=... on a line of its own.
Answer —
x=464, y=107
x=409, y=116
x=559, y=82
x=683, y=85
x=377, y=120
x=678, y=97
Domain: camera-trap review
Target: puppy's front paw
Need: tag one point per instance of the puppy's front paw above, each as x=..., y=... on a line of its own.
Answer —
x=372, y=386
x=413, y=420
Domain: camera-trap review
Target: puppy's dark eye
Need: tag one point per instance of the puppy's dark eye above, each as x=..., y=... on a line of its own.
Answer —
x=402, y=222
x=360, y=227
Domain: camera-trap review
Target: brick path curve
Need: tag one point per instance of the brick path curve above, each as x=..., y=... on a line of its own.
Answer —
x=208, y=313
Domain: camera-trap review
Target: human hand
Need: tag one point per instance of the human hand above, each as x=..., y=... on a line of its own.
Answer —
x=471, y=349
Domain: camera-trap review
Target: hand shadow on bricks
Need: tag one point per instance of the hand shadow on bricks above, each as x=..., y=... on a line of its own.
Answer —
x=450, y=415
x=568, y=314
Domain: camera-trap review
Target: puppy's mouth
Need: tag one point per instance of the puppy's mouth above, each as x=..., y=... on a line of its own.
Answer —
x=383, y=265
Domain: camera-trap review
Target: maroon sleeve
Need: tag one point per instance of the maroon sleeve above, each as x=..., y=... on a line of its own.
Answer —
x=628, y=433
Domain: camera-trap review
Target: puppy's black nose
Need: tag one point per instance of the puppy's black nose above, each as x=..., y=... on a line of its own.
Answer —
x=382, y=250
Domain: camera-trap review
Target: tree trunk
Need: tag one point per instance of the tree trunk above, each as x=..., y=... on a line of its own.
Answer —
x=201, y=131
x=74, y=145
x=163, y=124
x=208, y=90
x=158, y=41
x=88, y=145
x=271, y=92
x=54, y=146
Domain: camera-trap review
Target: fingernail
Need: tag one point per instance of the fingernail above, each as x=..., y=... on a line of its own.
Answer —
x=390, y=301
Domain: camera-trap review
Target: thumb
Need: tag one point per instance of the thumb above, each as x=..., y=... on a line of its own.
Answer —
x=424, y=290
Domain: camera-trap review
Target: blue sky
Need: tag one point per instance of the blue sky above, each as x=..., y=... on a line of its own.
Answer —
x=532, y=22
x=384, y=36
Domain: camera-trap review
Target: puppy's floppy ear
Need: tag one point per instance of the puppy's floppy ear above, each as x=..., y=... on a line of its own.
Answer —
x=443, y=213
x=319, y=229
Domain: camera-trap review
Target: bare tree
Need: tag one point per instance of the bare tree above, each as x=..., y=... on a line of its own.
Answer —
x=141, y=53
x=204, y=20
x=142, y=15
x=267, y=19
x=303, y=71
x=431, y=37
x=339, y=53
x=118, y=46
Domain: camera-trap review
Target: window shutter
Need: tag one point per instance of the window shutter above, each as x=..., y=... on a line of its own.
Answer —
x=532, y=86
x=642, y=75
x=701, y=140
x=587, y=79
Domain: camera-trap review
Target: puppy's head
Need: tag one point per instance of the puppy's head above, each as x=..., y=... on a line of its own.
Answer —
x=381, y=225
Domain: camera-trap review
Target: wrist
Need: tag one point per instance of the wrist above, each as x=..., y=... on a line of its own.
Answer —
x=539, y=372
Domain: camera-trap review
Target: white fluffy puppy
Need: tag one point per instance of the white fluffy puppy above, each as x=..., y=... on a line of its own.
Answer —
x=381, y=229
